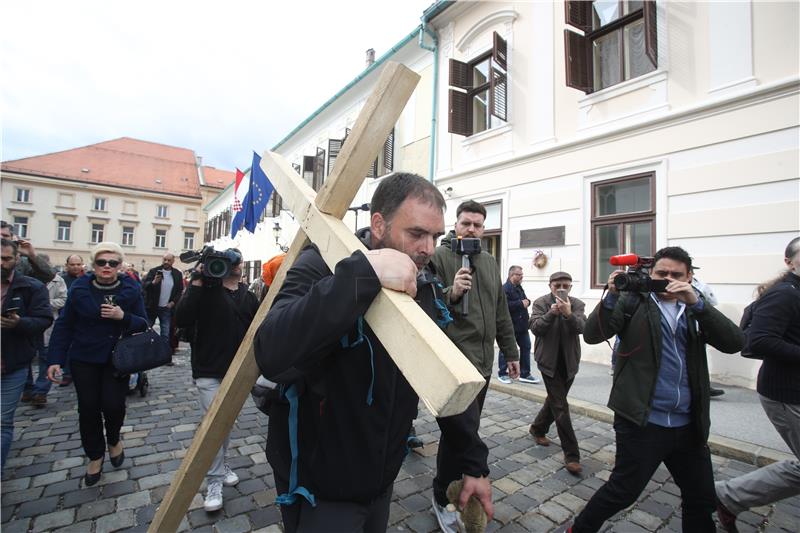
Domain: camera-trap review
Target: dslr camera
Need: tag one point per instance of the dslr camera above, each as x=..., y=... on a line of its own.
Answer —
x=216, y=264
x=636, y=277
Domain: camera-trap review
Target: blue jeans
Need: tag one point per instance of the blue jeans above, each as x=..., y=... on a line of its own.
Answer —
x=164, y=316
x=42, y=385
x=524, y=343
x=11, y=387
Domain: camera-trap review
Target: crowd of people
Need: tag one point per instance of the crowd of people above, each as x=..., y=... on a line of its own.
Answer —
x=340, y=411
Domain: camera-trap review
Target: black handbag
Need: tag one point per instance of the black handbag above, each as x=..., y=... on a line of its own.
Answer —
x=140, y=352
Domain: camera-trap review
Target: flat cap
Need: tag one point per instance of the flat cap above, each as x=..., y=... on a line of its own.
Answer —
x=559, y=275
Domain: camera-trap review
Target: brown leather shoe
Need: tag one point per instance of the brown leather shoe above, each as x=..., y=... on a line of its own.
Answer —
x=541, y=440
x=39, y=400
x=26, y=397
x=574, y=468
x=727, y=520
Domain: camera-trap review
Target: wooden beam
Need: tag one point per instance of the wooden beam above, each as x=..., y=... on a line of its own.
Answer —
x=440, y=374
x=339, y=191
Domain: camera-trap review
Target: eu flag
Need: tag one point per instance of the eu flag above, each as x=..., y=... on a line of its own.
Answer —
x=255, y=201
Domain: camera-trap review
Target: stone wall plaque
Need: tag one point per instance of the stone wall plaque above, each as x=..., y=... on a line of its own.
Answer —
x=536, y=238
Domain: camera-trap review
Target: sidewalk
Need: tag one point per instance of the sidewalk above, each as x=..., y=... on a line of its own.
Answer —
x=42, y=488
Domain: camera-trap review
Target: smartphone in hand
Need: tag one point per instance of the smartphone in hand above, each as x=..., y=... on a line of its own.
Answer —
x=562, y=294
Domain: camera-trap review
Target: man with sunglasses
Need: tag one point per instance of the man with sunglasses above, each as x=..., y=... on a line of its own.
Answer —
x=557, y=320
x=217, y=314
x=162, y=287
x=660, y=395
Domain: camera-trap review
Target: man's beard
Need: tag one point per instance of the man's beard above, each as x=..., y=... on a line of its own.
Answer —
x=6, y=272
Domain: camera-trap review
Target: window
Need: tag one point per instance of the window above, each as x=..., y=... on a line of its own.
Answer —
x=385, y=161
x=477, y=97
x=97, y=232
x=188, y=240
x=161, y=238
x=99, y=204
x=619, y=42
x=66, y=200
x=129, y=208
x=24, y=195
x=64, y=230
x=191, y=215
x=623, y=221
x=161, y=211
x=21, y=227
x=127, y=235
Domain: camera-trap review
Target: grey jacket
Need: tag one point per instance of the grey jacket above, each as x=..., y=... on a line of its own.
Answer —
x=556, y=334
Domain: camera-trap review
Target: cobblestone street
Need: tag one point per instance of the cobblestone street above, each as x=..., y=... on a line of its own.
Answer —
x=42, y=489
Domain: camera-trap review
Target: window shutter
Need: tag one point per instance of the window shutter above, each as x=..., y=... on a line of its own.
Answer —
x=499, y=52
x=459, y=75
x=373, y=170
x=650, y=31
x=319, y=168
x=388, y=152
x=334, y=146
x=497, y=94
x=578, y=13
x=578, y=59
x=458, y=114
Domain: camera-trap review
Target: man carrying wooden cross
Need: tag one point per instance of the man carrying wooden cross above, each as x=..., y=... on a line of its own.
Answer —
x=348, y=408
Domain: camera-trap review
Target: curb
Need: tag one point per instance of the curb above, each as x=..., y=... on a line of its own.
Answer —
x=745, y=452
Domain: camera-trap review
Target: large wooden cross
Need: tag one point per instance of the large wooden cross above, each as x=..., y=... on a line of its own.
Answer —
x=439, y=373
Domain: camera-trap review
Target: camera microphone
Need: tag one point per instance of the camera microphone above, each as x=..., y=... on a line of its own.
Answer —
x=624, y=260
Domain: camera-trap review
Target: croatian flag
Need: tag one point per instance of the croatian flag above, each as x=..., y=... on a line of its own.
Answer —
x=257, y=189
x=237, y=200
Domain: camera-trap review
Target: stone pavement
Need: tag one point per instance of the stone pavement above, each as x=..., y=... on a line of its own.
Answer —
x=42, y=490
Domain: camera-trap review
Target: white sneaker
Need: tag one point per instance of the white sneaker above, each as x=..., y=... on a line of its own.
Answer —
x=231, y=478
x=448, y=520
x=213, y=497
x=530, y=379
x=504, y=379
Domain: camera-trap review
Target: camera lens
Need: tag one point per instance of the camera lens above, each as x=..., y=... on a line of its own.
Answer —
x=216, y=268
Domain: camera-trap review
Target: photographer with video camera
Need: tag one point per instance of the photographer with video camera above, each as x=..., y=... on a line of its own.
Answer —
x=660, y=394
x=218, y=308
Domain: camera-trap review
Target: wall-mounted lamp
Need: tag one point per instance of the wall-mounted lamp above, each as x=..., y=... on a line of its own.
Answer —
x=356, y=209
x=449, y=192
x=276, y=232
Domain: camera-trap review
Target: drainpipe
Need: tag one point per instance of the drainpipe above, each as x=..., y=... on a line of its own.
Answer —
x=435, y=49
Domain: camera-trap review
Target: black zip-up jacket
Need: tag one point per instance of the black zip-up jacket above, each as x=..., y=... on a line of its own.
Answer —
x=775, y=337
x=640, y=338
x=348, y=450
x=35, y=316
x=219, y=319
x=519, y=313
x=152, y=291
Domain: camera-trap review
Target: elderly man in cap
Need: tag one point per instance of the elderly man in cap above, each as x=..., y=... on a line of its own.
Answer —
x=557, y=319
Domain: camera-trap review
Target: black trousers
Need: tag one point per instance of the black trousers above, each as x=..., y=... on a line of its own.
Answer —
x=556, y=409
x=101, y=398
x=334, y=517
x=640, y=450
x=448, y=460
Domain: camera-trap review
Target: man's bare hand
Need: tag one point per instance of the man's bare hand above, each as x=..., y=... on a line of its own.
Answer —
x=564, y=307
x=513, y=369
x=462, y=282
x=9, y=321
x=683, y=291
x=611, y=287
x=526, y=303
x=481, y=489
x=26, y=248
x=54, y=373
x=394, y=269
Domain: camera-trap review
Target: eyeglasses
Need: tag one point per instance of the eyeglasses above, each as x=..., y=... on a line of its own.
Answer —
x=562, y=285
x=113, y=263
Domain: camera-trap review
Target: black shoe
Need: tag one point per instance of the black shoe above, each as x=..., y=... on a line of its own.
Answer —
x=92, y=479
x=715, y=392
x=117, y=461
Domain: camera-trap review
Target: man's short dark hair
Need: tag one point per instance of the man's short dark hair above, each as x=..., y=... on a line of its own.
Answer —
x=395, y=189
x=471, y=206
x=4, y=224
x=676, y=253
x=9, y=242
x=512, y=268
x=792, y=248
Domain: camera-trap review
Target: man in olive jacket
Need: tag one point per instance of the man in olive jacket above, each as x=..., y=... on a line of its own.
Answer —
x=487, y=319
x=660, y=395
x=557, y=320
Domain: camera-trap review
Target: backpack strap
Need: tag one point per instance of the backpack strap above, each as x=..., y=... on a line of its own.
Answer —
x=290, y=497
x=347, y=343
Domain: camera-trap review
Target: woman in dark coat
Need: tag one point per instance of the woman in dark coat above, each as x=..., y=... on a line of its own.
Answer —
x=100, y=307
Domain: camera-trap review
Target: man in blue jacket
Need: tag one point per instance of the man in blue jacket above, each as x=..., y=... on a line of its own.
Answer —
x=660, y=395
x=25, y=315
x=518, y=304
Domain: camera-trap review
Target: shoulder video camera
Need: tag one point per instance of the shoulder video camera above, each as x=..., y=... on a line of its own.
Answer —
x=636, y=277
x=216, y=264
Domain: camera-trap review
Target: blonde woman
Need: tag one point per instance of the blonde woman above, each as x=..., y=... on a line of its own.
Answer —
x=100, y=307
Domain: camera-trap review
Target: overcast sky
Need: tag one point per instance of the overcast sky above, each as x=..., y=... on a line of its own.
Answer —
x=220, y=78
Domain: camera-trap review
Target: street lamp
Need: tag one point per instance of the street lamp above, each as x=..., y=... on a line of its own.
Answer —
x=355, y=210
x=143, y=264
x=276, y=232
